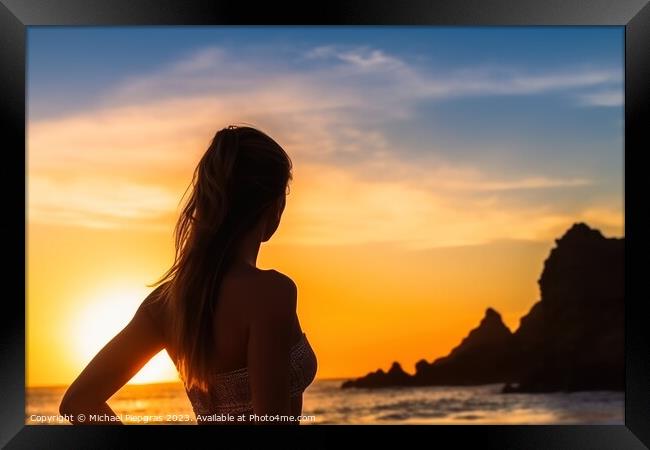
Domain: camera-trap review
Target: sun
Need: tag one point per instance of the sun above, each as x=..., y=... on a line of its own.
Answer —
x=106, y=314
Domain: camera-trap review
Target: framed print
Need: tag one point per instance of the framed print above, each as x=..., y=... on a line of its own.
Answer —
x=420, y=217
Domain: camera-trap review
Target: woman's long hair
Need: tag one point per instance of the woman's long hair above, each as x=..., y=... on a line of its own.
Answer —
x=242, y=174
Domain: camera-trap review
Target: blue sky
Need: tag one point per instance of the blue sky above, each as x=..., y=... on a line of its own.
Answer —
x=521, y=117
x=82, y=61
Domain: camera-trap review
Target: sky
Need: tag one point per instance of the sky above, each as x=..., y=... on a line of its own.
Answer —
x=433, y=169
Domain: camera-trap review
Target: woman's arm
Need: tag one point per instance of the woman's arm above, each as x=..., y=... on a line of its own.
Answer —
x=269, y=346
x=112, y=367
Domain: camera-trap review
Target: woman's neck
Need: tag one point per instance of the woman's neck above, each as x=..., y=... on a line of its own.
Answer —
x=248, y=250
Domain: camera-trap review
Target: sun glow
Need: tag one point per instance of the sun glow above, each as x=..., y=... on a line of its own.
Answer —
x=159, y=369
x=103, y=318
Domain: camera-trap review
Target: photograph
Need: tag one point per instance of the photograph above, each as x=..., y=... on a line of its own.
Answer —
x=350, y=225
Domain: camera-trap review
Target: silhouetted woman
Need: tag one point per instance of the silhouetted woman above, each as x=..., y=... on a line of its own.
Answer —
x=230, y=328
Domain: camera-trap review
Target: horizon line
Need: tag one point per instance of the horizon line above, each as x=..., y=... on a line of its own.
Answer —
x=42, y=386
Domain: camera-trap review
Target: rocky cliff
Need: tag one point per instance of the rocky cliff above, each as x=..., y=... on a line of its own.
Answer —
x=573, y=339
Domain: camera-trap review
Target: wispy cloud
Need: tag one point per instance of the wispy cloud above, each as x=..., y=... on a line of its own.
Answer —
x=360, y=78
x=612, y=97
x=481, y=80
x=331, y=206
x=131, y=157
x=360, y=57
x=99, y=203
x=516, y=184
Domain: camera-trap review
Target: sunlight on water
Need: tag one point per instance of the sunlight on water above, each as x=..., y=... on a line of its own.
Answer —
x=458, y=405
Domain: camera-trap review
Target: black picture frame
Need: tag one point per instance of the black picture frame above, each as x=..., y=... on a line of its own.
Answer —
x=17, y=15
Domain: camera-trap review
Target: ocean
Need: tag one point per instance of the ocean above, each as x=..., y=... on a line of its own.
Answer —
x=326, y=403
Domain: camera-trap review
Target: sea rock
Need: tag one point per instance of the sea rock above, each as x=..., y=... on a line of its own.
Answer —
x=394, y=377
x=481, y=357
x=477, y=359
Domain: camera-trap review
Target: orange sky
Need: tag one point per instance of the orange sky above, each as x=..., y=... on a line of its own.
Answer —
x=362, y=306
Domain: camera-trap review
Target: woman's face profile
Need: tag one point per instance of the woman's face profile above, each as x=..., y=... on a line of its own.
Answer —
x=273, y=218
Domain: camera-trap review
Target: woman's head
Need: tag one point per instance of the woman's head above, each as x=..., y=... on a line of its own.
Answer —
x=241, y=179
x=238, y=189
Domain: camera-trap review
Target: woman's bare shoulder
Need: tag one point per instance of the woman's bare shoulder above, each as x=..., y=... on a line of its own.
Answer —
x=153, y=306
x=156, y=298
x=274, y=291
x=279, y=280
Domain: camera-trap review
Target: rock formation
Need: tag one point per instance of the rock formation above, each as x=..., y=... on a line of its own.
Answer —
x=573, y=339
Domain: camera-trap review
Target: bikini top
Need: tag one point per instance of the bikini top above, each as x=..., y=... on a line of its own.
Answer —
x=229, y=393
